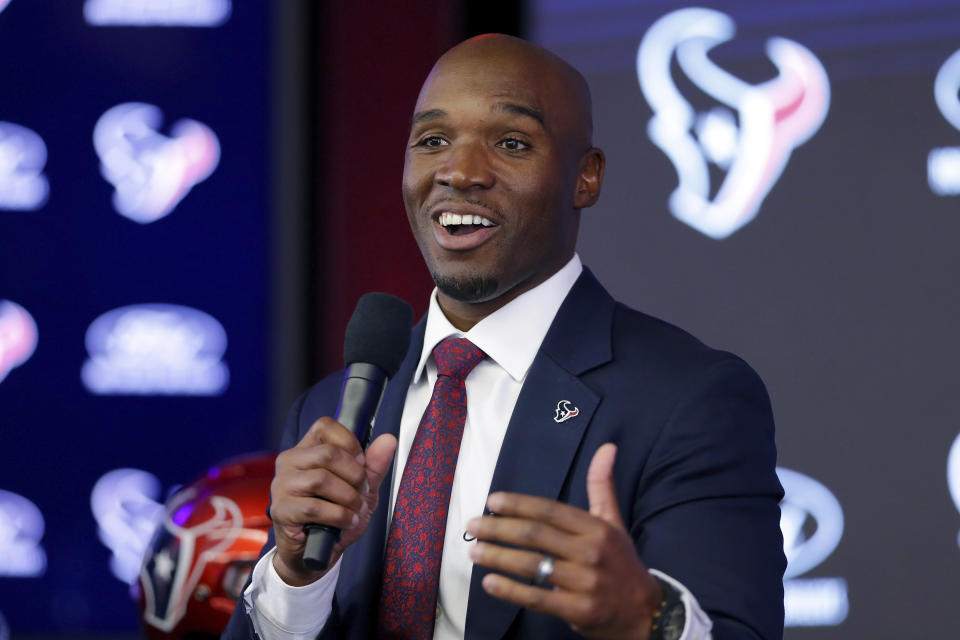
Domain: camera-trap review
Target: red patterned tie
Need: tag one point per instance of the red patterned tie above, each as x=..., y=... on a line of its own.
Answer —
x=411, y=567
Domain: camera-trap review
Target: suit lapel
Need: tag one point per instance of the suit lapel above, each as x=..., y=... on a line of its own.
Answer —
x=359, y=583
x=538, y=450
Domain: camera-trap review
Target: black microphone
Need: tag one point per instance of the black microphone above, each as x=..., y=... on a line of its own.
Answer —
x=375, y=344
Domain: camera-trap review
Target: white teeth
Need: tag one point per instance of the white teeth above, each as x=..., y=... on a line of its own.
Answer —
x=448, y=219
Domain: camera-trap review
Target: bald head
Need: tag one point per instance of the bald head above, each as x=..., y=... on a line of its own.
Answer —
x=560, y=91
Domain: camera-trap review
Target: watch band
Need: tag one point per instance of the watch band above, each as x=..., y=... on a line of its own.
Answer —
x=670, y=618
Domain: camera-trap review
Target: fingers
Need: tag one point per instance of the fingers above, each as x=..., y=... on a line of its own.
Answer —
x=571, y=607
x=528, y=534
x=601, y=493
x=322, y=480
x=599, y=584
x=329, y=446
x=559, y=515
x=297, y=512
x=325, y=479
x=322, y=483
x=566, y=575
x=326, y=430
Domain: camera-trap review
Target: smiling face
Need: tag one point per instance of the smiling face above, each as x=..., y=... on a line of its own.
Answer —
x=497, y=168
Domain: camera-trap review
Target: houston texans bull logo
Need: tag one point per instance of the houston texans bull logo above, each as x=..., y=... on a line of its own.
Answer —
x=124, y=504
x=774, y=117
x=152, y=172
x=168, y=578
x=565, y=411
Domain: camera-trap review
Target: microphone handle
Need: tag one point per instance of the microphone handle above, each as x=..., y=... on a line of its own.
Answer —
x=360, y=396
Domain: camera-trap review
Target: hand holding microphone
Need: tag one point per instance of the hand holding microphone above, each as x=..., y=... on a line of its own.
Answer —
x=325, y=488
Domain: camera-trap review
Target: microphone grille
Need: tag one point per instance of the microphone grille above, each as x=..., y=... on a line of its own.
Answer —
x=378, y=332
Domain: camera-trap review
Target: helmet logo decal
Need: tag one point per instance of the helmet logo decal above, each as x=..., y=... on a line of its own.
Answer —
x=170, y=576
x=774, y=117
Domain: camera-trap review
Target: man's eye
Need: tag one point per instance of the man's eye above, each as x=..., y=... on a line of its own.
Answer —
x=514, y=144
x=432, y=142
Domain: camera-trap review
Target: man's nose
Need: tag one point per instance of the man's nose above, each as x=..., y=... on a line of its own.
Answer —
x=467, y=166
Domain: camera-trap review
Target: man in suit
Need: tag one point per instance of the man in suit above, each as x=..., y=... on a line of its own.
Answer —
x=615, y=477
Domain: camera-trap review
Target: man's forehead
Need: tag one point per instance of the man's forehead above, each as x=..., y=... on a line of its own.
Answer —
x=507, y=93
x=484, y=79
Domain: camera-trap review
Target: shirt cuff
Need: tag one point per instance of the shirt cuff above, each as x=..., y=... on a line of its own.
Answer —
x=697, y=624
x=280, y=611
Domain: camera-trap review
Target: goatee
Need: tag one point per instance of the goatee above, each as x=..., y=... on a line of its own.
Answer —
x=466, y=289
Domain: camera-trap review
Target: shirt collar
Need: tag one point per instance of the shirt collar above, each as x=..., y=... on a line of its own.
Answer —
x=511, y=335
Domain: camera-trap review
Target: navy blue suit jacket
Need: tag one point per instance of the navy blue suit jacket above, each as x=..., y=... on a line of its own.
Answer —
x=694, y=471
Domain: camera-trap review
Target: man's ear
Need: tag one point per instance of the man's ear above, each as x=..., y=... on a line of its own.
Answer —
x=589, y=178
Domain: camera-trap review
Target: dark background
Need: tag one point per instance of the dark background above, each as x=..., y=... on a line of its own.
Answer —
x=839, y=292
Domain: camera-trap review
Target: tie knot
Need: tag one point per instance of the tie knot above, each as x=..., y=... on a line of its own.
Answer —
x=456, y=357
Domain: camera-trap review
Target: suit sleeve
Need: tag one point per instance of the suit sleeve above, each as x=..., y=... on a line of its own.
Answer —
x=707, y=512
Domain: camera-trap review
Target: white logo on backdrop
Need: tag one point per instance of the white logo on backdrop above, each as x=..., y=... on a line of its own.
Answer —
x=812, y=524
x=155, y=349
x=18, y=336
x=943, y=163
x=157, y=13
x=23, y=155
x=21, y=529
x=124, y=504
x=953, y=474
x=774, y=117
x=152, y=172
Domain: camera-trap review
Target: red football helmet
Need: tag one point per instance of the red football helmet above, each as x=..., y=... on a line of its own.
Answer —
x=202, y=553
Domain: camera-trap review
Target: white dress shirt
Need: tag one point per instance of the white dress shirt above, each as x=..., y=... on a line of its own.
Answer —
x=511, y=338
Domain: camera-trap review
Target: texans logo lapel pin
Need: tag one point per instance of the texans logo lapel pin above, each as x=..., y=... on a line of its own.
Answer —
x=565, y=411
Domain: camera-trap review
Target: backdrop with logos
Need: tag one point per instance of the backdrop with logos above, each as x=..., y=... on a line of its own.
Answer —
x=783, y=180
x=133, y=285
